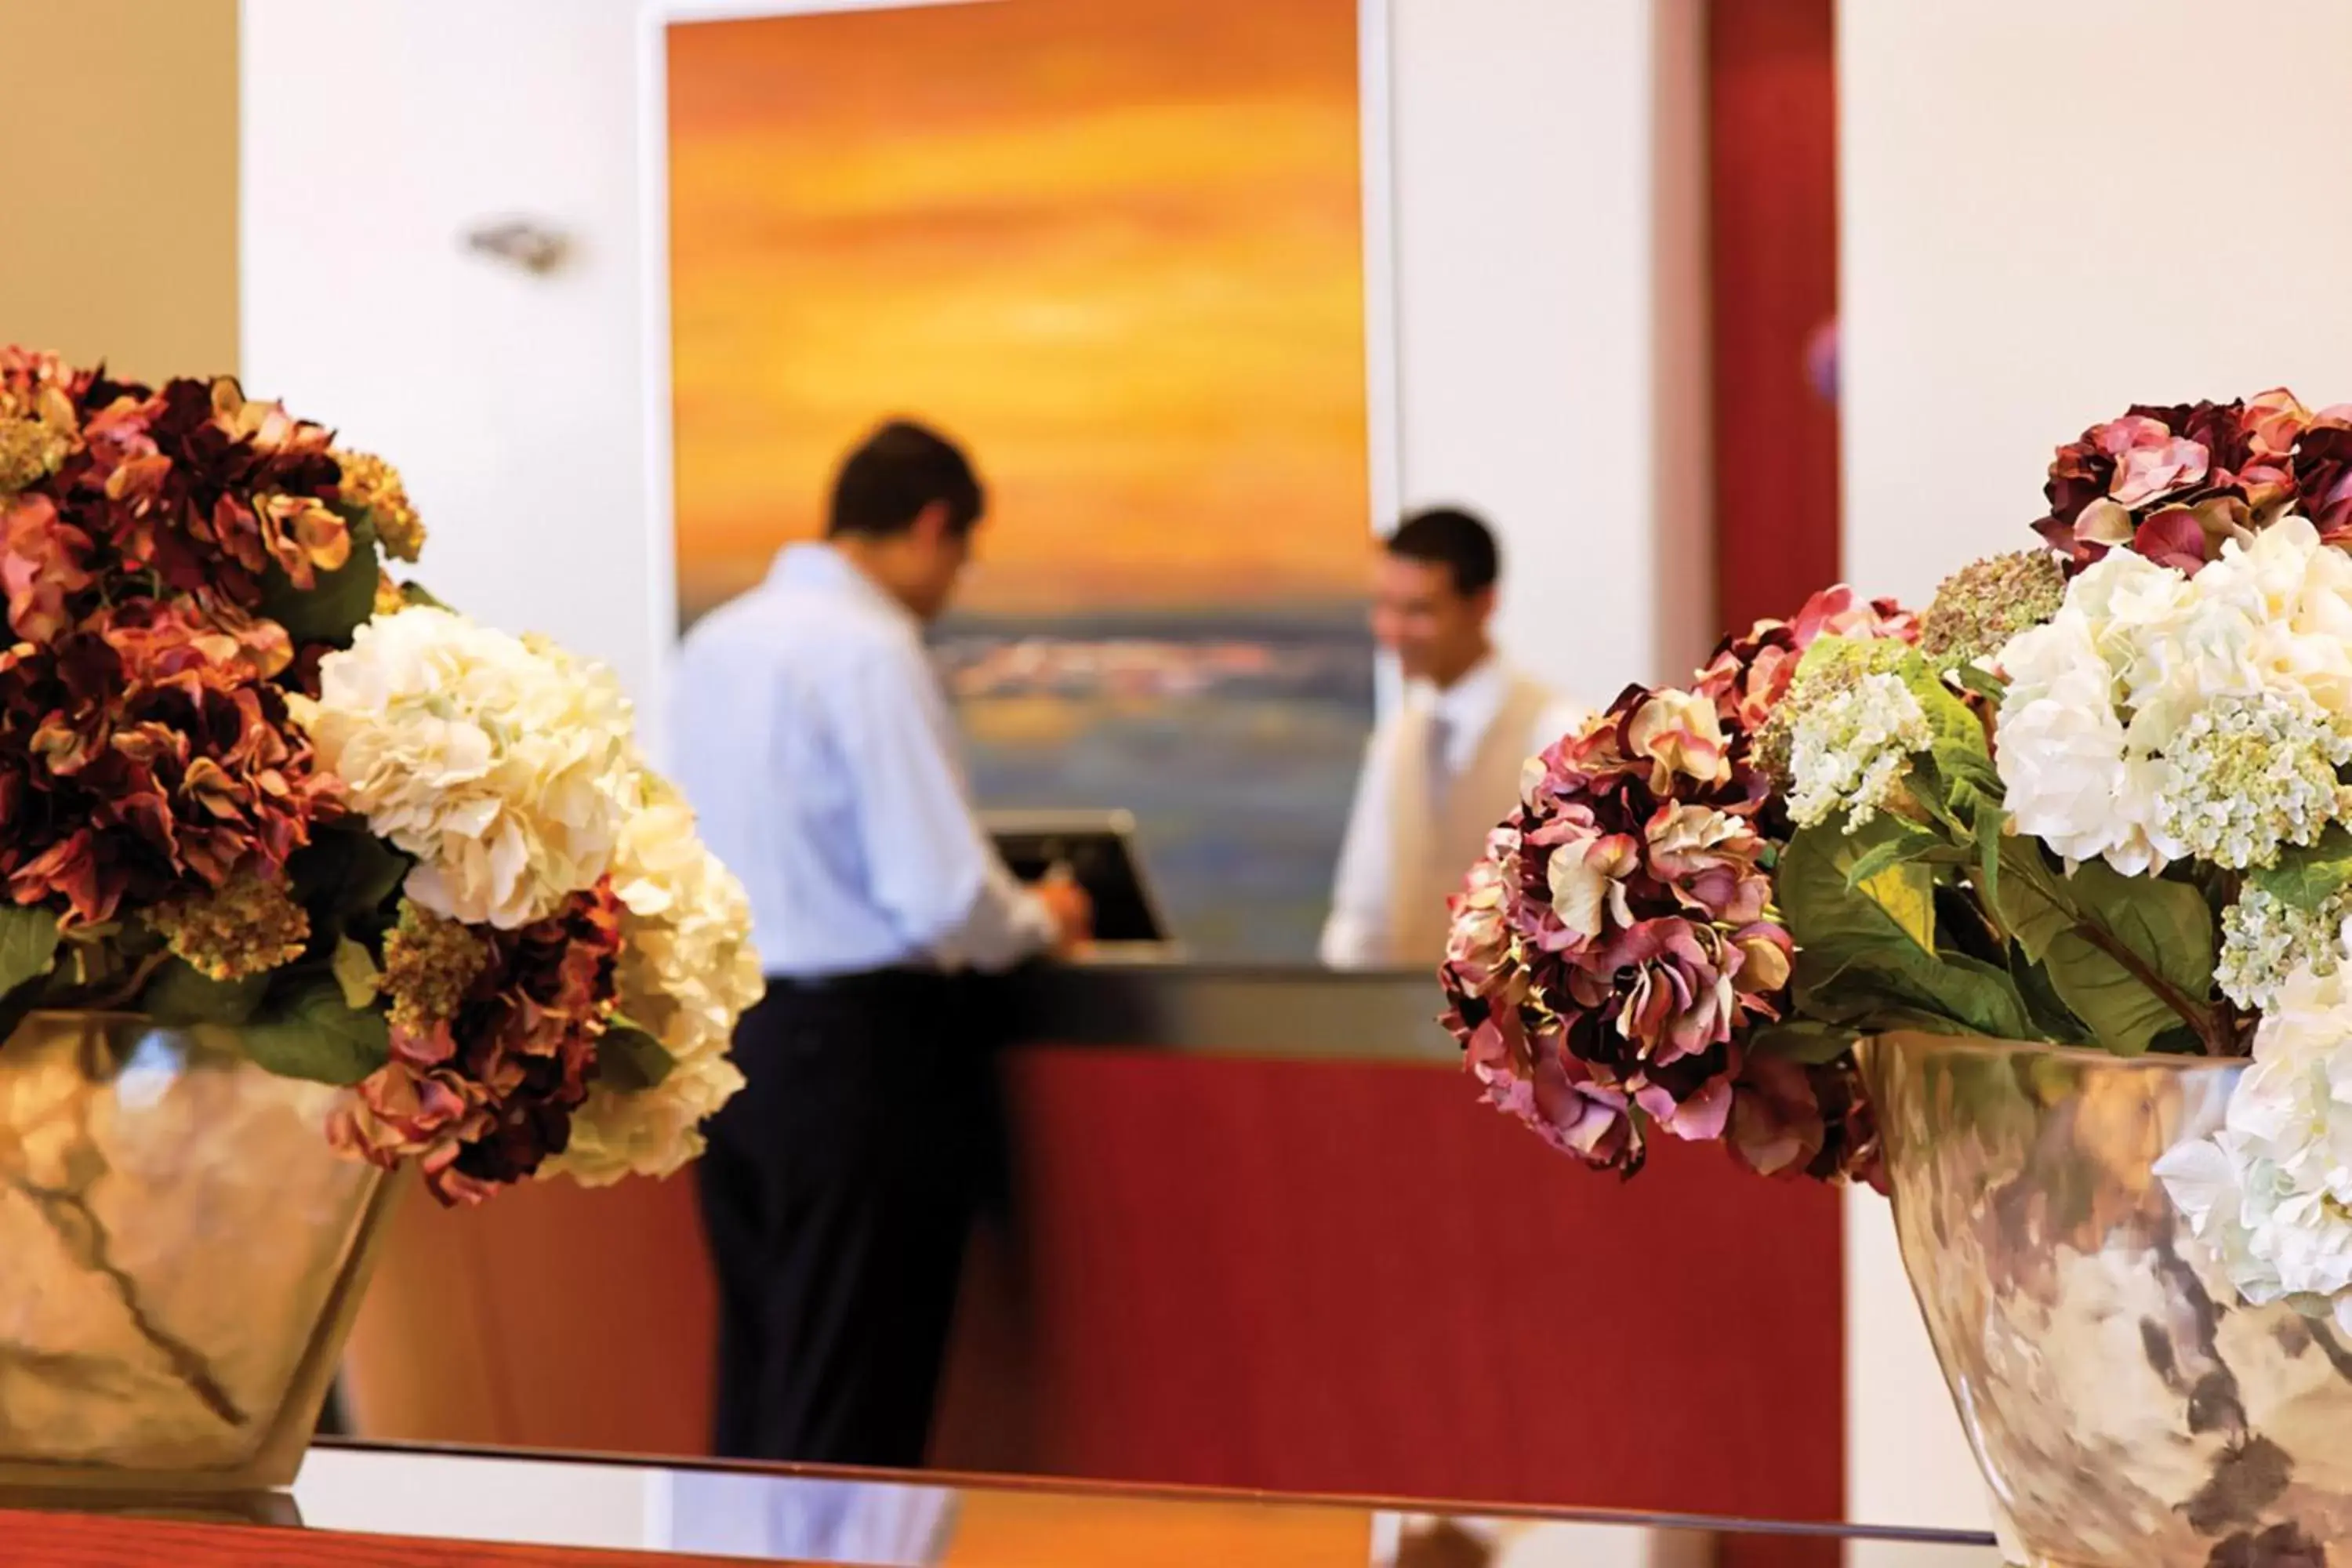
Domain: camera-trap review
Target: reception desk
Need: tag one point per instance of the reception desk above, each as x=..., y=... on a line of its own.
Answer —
x=1262, y=1235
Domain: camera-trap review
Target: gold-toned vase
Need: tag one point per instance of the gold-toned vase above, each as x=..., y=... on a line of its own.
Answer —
x=181, y=1255
x=2129, y=1410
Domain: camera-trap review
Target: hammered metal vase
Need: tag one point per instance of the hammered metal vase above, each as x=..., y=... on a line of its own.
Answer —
x=181, y=1255
x=2127, y=1409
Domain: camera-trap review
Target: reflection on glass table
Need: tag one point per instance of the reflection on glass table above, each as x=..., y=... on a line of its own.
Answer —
x=974, y=1522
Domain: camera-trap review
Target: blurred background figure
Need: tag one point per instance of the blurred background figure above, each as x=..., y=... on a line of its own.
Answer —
x=813, y=737
x=1441, y=771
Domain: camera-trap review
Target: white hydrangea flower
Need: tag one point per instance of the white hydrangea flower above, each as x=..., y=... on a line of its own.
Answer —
x=504, y=765
x=2270, y=1192
x=2149, y=683
x=2248, y=776
x=2069, y=776
x=688, y=971
x=1848, y=746
x=2264, y=939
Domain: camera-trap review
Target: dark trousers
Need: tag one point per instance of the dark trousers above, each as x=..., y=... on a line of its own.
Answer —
x=837, y=1193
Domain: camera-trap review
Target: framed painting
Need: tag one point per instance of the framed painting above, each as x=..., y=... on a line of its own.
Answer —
x=1132, y=255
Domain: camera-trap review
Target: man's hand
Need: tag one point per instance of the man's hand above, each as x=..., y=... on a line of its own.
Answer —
x=1073, y=912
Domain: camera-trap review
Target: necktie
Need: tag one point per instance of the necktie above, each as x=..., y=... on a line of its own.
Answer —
x=1440, y=761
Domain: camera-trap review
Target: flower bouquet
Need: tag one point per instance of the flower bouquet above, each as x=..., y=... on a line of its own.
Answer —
x=2031, y=909
x=306, y=876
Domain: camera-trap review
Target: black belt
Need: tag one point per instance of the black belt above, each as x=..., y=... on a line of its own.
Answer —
x=859, y=981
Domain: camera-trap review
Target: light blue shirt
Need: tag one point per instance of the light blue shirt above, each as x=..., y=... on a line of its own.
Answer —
x=811, y=735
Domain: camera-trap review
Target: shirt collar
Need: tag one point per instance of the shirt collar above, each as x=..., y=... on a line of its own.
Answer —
x=1470, y=704
x=818, y=566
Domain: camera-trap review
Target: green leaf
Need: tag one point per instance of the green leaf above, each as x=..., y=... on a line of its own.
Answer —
x=330, y=610
x=416, y=595
x=1983, y=682
x=629, y=1059
x=1906, y=894
x=312, y=1033
x=28, y=944
x=356, y=973
x=1801, y=1040
x=1956, y=729
x=1991, y=825
x=1859, y=965
x=1888, y=1017
x=1900, y=846
x=2164, y=926
x=180, y=994
x=2051, y=1014
x=347, y=872
x=2306, y=879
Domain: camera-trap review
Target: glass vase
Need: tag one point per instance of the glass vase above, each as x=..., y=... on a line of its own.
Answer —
x=183, y=1256
x=2127, y=1409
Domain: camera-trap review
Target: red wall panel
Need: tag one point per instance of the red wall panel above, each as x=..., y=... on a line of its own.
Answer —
x=1772, y=142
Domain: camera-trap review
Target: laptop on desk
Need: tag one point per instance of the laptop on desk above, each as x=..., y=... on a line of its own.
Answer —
x=1097, y=848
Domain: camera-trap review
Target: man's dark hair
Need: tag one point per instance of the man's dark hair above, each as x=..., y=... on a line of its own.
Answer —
x=893, y=474
x=1449, y=537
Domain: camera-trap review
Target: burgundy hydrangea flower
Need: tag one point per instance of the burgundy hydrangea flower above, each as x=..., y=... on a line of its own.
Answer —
x=207, y=490
x=2176, y=483
x=1803, y=1119
x=146, y=755
x=481, y=1097
x=1616, y=950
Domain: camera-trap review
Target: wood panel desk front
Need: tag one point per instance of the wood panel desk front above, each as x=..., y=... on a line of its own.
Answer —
x=1296, y=1255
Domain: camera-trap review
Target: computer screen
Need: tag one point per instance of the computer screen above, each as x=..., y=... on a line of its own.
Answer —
x=1098, y=850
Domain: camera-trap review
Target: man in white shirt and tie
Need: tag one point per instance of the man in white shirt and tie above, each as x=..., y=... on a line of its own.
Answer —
x=815, y=741
x=1444, y=769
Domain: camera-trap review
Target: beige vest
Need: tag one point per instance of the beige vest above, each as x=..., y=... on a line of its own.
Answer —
x=1433, y=841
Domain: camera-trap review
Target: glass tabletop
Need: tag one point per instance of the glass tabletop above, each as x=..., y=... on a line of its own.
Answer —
x=919, y=1521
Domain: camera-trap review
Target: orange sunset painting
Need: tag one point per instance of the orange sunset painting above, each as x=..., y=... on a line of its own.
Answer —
x=1116, y=248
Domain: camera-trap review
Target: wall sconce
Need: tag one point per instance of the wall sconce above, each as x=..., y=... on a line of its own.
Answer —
x=533, y=247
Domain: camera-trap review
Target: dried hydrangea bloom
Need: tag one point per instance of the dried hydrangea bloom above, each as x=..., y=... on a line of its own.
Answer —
x=30, y=451
x=1978, y=608
x=429, y=964
x=247, y=926
x=374, y=486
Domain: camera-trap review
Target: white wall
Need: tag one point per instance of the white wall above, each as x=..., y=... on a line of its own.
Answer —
x=1531, y=312
x=1551, y=299
x=2035, y=233
x=375, y=133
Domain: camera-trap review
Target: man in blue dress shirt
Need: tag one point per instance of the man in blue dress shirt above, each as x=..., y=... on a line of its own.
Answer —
x=815, y=742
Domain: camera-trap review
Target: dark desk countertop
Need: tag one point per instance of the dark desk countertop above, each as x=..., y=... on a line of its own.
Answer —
x=1281, y=1011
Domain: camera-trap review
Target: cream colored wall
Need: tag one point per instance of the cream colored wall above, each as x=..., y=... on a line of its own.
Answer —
x=120, y=183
